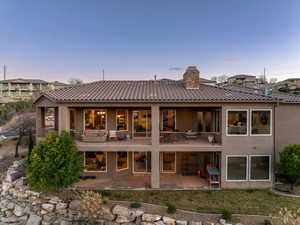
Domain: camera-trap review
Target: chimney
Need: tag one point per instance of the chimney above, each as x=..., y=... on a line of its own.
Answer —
x=191, y=78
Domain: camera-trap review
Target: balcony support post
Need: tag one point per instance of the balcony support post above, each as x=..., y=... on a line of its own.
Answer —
x=155, y=172
x=63, y=118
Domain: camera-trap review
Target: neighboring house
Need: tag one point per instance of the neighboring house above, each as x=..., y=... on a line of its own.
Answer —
x=291, y=85
x=245, y=80
x=173, y=133
x=25, y=88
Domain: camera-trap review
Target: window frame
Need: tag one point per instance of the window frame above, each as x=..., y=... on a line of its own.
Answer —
x=270, y=168
x=127, y=120
x=237, y=110
x=162, y=119
x=247, y=167
x=133, y=162
x=117, y=162
x=162, y=163
x=271, y=122
x=87, y=171
x=106, y=115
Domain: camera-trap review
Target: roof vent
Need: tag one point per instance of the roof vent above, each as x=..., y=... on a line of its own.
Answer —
x=191, y=78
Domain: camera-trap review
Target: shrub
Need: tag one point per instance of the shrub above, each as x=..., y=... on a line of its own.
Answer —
x=135, y=205
x=267, y=222
x=226, y=214
x=91, y=205
x=171, y=208
x=289, y=164
x=54, y=163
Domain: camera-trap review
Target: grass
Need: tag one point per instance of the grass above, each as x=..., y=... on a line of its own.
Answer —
x=258, y=202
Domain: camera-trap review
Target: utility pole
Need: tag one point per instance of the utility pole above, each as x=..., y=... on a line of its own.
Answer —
x=103, y=74
x=265, y=74
x=4, y=72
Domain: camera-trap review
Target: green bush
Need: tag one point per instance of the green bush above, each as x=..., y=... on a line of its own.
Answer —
x=289, y=164
x=226, y=214
x=267, y=222
x=54, y=163
x=135, y=205
x=171, y=208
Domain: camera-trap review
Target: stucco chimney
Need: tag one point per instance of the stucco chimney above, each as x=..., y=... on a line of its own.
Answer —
x=191, y=78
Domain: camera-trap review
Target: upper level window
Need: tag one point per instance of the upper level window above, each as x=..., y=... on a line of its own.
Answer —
x=95, y=119
x=260, y=122
x=168, y=119
x=237, y=122
x=122, y=119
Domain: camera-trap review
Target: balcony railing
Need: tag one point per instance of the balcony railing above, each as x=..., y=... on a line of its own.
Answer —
x=197, y=138
x=43, y=132
x=108, y=137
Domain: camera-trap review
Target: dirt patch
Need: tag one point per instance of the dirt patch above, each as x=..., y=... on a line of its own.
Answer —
x=7, y=153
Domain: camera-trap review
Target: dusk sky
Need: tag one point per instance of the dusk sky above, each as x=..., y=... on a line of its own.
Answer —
x=136, y=39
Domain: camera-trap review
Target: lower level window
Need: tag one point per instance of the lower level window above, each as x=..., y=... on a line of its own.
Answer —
x=169, y=162
x=95, y=161
x=260, y=167
x=122, y=160
x=142, y=162
x=237, y=168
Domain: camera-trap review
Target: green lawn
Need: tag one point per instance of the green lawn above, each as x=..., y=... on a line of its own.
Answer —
x=259, y=202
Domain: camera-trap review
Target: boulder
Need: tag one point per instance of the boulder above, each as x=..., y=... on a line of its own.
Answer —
x=222, y=222
x=181, y=222
x=19, y=211
x=120, y=210
x=34, y=220
x=48, y=207
x=124, y=219
x=159, y=222
x=195, y=223
x=151, y=218
x=147, y=223
x=107, y=215
x=61, y=206
x=169, y=221
x=74, y=205
x=54, y=200
x=136, y=213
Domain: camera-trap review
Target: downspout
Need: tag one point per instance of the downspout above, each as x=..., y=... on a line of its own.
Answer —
x=274, y=142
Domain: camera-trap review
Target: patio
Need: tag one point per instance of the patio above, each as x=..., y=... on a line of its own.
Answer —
x=168, y=181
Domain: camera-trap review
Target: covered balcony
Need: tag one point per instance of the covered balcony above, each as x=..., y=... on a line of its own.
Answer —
x=190, y=126
x=47, y=120
x=111, y=126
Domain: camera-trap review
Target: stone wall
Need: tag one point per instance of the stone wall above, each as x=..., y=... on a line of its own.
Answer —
x=21, y=206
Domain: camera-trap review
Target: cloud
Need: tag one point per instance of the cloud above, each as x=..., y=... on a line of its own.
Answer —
x=231, y=60
x=176, y=68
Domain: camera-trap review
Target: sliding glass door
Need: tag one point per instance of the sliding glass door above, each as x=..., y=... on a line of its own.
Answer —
x=141, y=123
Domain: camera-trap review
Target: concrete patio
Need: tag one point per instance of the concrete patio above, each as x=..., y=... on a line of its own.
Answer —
x=135, y=182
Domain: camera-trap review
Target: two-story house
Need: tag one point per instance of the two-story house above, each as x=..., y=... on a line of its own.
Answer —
x=173, y=133
x=25, y=88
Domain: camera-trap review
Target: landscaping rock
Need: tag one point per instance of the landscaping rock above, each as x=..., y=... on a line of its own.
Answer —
x=120, y=210
x=48, y=207
x=147, y=223
x=159, y=222
x=150, y=218
x=170, y=221
x=181, y=222
x=34, y=220
x=107, y=215
x=195, y=223
x=222, y=222
x=74, y=205
x=124, y=219
x=19, y=211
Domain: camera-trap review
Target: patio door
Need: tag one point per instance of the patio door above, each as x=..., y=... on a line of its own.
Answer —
x=141, y=123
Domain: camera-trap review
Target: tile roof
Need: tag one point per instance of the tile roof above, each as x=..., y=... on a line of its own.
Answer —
x=280, y=96
x=150, y=91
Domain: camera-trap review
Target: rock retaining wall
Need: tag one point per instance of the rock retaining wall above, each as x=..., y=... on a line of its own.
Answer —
x=21, y=206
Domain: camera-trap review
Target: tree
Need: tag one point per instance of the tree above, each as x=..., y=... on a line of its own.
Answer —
x=289, y=164
x=54, y=163
x=75, y=81
x=23, y=125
